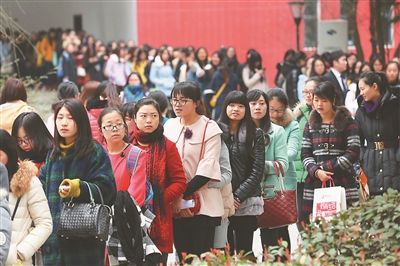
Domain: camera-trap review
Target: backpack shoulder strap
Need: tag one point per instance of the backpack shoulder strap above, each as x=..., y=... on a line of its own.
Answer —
x=133, y=158
x=15, y=209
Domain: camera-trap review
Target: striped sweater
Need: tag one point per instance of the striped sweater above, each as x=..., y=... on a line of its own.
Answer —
x=331, y=147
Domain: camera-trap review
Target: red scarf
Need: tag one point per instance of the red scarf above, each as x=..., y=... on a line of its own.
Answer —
x=155, y=163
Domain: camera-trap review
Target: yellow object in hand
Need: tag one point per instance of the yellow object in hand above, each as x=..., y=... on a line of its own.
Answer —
x=70, y=188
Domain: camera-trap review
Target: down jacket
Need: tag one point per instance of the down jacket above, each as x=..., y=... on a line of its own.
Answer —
x=5, y=216
x=381, y=166
x=32, y=224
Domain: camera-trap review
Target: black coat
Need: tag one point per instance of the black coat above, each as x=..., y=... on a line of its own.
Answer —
x=247, y=166
x=340, y=95
x=381, y=166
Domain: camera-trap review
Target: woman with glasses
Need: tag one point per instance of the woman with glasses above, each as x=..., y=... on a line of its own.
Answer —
x=281, y=115
x=33, y=139
x=198, y=141
x=76, y=158
x=31, y=218
x=302, y=113
x=115, y=131
x=275, y=150
x=164, y=170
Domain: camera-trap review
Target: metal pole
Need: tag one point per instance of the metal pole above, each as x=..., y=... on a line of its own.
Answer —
x=298, y=37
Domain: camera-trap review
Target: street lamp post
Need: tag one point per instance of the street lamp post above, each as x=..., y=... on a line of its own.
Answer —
x=297, y=12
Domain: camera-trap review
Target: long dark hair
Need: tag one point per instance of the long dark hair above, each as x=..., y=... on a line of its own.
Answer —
x=9, y=146
x=41, y=139
x=83, y=141
x=254, y=95
x=192, y=91
x=240, y=98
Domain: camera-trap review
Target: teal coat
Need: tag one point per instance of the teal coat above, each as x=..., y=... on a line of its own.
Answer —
x=276, y=150
x=293, y=141
x=302, y=113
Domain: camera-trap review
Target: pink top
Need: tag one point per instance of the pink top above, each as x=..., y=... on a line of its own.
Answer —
x=189, y=150
x=134, y=184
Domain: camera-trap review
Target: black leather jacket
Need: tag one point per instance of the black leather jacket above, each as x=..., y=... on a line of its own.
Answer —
x=247, y=166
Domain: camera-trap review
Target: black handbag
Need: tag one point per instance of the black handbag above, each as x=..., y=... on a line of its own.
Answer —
x=85, y=220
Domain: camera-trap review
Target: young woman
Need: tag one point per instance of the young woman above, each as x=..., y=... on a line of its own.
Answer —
x=281, y=115
x=253, y=74
x=75, y=158
x=12, y=103
x=161, y=72
x=198, y=142
x=246, y=148
x=31, y=218
x=378, y=122
x=376, y=63
x=275, y=150
x=302, y=113
x=33, y=139
x=331, y=146
x=128, y=113
x=223, y=81
x=134, y=88
x=318, y=67
x=114, y=131
x=164, y=170
x=392, y=75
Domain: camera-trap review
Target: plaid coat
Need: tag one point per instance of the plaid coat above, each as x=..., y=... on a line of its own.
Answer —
x=95, y=169
x=331, y=147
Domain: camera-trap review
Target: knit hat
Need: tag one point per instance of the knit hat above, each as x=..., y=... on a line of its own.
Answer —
x=67, y=90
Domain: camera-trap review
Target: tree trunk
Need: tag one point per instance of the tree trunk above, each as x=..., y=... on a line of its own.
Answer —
x=372, y=28
x=379, y=30
x=357, y=43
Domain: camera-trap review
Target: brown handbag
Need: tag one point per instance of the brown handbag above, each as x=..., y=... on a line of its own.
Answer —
x=281, y=210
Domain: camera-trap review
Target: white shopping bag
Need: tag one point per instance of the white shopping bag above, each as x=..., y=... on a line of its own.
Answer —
x=328, y=201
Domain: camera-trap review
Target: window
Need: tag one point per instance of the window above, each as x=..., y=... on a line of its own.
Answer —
x=310, y=23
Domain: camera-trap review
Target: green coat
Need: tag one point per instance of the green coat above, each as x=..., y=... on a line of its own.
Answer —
x=302, y=113
x=94, y=169
x=276, y=150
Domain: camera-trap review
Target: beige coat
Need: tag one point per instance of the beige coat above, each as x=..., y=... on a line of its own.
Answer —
x=10, y=111
x=189, y=149
x=32, y=224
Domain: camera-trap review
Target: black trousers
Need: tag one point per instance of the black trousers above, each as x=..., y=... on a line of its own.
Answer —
x=240, y=233
x=195, y=235
x=270, y=237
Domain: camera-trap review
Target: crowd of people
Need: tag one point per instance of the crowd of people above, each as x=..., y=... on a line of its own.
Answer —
x=191, y=139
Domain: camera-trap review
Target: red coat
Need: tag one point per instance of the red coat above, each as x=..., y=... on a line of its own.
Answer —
x=174, y=185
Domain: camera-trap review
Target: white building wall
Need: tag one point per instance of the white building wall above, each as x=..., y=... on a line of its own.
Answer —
x=106, y=20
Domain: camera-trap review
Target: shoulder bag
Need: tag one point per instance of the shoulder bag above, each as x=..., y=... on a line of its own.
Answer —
x=281, y=210
x=85, y=220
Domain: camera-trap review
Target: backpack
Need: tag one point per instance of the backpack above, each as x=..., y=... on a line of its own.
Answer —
x=132, y=161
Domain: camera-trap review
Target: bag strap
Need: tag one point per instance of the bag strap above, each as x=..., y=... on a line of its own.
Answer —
x=91, y=194
x=133, y=158
x=202, y=141
x=279, y=173
x=331, y=183
x=15, y=209
x=221, y=89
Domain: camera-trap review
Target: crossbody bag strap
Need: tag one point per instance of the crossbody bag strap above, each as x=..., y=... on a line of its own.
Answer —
x=202, y=141
x=15, y=209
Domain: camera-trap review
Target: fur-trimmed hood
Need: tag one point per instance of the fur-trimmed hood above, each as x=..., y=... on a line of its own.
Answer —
x=286, y=119
x=341, y=120
x=21, y=180
x=299, y=110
